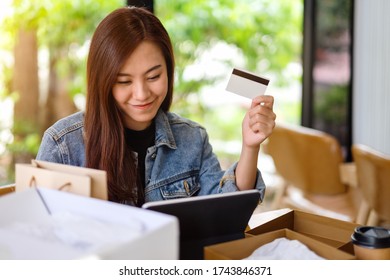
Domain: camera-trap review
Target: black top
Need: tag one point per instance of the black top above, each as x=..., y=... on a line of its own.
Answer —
x=139, y=142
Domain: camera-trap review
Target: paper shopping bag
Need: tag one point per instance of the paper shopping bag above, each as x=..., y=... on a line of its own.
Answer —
x=30, y=176
x=74, y=179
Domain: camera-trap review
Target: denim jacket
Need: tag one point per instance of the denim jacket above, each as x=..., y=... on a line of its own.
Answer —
x=180, y=164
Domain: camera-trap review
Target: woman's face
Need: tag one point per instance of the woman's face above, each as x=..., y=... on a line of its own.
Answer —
x=141, y=86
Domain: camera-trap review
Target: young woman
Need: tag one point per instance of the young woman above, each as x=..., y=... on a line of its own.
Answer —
x=127, y=130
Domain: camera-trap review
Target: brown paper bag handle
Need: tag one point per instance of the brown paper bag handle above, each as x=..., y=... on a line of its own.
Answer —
x=33, y=183
x=66, y=185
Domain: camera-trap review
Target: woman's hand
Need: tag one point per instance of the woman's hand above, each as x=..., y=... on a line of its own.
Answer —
x=257, y=125
x=258, y=122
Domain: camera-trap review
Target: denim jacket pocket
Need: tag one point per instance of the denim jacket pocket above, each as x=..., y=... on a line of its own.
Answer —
x=183, y=187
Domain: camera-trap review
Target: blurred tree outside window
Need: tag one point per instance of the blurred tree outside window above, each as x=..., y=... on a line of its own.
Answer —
x=212, y=37
x=44, y=45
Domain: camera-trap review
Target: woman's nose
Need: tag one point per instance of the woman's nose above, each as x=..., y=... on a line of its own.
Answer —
x=140, y=91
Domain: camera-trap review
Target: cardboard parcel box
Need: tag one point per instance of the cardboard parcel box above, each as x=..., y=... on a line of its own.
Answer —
x=336, y=233
x=243, y=248
x=41, y=223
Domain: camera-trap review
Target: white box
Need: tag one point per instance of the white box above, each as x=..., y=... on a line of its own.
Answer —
x=27, y=216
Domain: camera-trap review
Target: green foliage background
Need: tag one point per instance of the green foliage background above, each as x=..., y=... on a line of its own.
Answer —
x=266, y=34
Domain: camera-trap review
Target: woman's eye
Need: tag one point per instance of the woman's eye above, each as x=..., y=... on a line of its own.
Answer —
x=154, y=77
x=123, y=82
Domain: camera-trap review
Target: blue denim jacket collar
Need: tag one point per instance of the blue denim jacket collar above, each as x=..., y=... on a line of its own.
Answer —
x=164, y=134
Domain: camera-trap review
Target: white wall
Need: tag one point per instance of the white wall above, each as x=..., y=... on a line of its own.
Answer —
x=371, y=85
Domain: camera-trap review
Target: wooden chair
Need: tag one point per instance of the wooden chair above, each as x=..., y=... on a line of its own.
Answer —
x=309, y=162
x=373, y=179
x=7, y=189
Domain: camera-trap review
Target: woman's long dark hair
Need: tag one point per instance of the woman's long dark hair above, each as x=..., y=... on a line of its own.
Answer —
x=114, y=40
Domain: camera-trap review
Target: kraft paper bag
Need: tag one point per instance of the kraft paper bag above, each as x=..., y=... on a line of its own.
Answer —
x=78, y=180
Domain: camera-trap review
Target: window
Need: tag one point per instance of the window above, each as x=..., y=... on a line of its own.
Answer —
x=327, y=75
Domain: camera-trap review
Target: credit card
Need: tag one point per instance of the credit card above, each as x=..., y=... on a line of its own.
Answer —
x=246, y=84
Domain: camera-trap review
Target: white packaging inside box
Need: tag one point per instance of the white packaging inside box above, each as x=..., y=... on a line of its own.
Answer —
x=48, y=224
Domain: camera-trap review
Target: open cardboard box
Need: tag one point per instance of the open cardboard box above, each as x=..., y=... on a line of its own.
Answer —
x=336, y=233
x=243, y=248
x=145, y=234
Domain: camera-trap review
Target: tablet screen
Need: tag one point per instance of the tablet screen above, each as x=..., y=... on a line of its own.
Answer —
x=207, y=220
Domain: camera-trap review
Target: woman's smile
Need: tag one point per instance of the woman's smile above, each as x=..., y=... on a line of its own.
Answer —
x=144, y=106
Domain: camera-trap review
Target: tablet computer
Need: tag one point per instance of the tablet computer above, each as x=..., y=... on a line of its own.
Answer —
x=210, y=219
